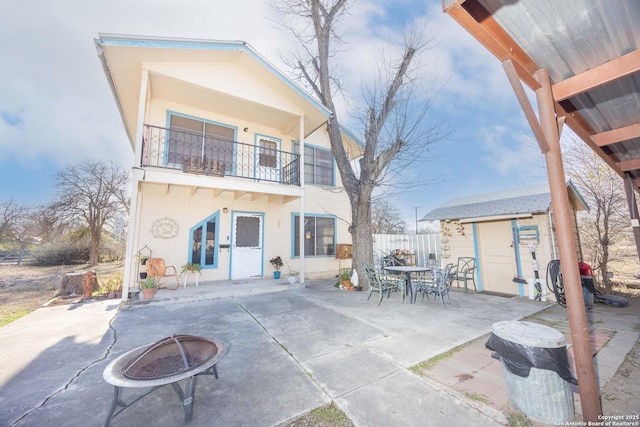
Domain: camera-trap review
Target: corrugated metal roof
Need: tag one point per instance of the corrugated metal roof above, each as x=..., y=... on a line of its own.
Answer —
x=591, y=49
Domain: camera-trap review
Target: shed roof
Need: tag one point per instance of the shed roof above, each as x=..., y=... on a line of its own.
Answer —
x=518, y=201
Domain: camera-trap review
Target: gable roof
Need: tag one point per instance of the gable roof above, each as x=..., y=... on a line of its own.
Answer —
x=124, y=56
x=515, y=202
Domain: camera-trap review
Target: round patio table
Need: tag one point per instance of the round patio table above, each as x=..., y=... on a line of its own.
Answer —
x=407, y=270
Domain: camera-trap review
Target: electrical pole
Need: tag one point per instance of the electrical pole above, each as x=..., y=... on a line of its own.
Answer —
x=416, y=208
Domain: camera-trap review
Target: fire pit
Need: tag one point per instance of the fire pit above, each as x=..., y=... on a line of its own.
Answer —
x=168, y=361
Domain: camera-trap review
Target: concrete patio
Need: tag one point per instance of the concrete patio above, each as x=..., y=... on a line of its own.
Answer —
x=289, y=351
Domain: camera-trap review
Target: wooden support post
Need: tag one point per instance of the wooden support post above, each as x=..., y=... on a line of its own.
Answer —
x=633, y=211
x=585, y=370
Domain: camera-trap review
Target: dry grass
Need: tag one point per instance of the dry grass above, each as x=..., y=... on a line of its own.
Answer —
x=24, y=288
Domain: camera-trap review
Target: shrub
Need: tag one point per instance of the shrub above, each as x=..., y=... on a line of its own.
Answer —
x=61, y=254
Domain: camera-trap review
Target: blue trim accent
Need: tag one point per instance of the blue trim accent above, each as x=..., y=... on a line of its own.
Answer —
x=476, y=253
x=293, y=234
x=203, y=254
x=516, y=248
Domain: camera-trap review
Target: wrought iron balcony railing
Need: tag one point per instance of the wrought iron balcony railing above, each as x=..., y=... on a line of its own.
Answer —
x=198, y=154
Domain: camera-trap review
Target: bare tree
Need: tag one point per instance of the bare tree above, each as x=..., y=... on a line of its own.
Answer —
x=603, y=191
x=13, y=221
x=385, y=219
x=90, y=195
x=392, y=125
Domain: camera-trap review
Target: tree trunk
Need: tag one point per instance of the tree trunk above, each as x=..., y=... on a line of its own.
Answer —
x=362, y=238
x=81, y=283
x=94, y=253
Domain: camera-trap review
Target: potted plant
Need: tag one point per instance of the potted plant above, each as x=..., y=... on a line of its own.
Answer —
x=276, y=263
x=191, y=267
x=345, y=278
x=112, y=285
x=292, y=275
x=149, y=287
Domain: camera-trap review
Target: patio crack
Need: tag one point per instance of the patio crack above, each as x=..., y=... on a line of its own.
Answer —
x=77, y=375
x=286, y=350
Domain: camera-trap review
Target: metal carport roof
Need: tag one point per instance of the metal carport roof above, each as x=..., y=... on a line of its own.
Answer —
x=581, y=59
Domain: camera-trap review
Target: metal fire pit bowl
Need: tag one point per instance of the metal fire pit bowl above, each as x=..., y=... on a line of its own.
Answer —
x=168, y=361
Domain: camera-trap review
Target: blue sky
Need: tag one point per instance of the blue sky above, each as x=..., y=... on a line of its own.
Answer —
x=56, y=108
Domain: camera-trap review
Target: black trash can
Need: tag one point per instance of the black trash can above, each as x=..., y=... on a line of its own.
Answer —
x=536, y=370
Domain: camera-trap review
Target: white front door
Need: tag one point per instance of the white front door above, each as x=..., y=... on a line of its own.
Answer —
x=246, y=247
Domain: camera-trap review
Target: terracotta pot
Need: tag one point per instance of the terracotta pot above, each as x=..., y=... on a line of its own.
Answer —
x=148, y=293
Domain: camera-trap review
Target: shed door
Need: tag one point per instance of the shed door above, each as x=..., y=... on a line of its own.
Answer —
x=497, y=257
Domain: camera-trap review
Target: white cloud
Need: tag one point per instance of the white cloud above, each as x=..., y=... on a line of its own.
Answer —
x=512, y=151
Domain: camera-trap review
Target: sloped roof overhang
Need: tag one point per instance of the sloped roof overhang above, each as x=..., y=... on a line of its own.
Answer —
x=581, y=59
x=124, y=56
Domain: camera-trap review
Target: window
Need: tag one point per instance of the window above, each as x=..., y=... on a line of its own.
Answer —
x=268, y=153
x=204, y=241
x=191, y=139
x=318, y=165
x=319, y=235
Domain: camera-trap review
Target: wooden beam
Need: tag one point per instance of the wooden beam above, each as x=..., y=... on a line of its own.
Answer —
x=616, y=135
x=633, y=210
x=239, y=193
x=629, y=165
x=561, y=120
x=480, y=24
x=564, y=226
x=287, y=199
x=217, y=192
x=597, y=76
x=525, y=104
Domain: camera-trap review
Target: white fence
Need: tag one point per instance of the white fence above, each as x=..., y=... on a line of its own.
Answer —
x=423, y=246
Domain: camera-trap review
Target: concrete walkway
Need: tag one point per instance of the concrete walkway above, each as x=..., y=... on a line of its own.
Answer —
x=288, y=353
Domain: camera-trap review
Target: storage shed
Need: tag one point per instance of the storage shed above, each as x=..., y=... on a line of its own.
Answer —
x=498, y=229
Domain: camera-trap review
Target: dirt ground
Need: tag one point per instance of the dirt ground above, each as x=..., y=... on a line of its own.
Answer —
x=25, y=288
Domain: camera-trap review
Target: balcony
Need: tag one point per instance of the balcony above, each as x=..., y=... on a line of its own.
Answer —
x=205, y=155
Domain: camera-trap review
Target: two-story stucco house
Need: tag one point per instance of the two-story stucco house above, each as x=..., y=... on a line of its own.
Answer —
x=232, y=162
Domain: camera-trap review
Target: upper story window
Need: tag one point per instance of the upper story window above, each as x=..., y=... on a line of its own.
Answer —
x=318, y=165
x=203, y=242
x=268, y=153
x=192, y=139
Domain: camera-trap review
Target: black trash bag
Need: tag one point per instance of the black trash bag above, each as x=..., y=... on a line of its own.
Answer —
x=519, y=359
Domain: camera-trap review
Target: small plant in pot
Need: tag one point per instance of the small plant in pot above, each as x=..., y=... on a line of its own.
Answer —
x=292, y=275
x=276, y=263
x=191, y=268
x=149, y=287
x=112, y=286
x=345, y=279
